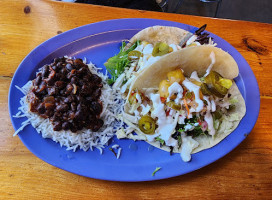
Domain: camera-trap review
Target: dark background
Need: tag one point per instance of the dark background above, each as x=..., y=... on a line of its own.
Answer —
x=249, y=10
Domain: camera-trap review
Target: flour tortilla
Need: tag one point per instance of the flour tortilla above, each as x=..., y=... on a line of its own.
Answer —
x=195, y=59
x=189, y=59
x=155, y=34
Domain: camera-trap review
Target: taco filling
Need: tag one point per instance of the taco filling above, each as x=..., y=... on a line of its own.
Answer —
x=143, y=55
x=184, y=114
x=146, y=48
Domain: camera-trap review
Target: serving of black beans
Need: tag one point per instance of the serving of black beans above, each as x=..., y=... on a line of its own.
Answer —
x=67, y=93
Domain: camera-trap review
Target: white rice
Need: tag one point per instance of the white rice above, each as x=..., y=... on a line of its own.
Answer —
x=115, y=146
x=84, y=139
x=119, y=153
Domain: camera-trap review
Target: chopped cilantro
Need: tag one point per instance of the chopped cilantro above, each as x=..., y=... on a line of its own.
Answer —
x=181, y=130
x=195, y=132
x=179, y=140
x=155, y=171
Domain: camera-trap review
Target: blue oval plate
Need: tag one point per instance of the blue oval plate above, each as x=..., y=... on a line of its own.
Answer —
x=97, y=42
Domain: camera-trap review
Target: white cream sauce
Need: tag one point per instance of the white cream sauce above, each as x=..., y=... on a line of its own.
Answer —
x=188, y=145
x=166, y=125
x=139, y=99
x=147, y=59
x=145, y=109
x=175, y=88
x=212, y=56
x=208, y=117
x=181, y=119
x=195, y=76
x=195, y=89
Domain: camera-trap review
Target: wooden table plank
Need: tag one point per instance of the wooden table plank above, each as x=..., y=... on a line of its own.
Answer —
x=244, y=173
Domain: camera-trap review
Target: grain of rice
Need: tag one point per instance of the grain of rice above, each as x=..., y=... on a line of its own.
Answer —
x=119, y=153
x=115, y=146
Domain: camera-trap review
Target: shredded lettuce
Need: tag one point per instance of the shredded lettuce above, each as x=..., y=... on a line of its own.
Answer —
x=216, y=124
x=117, y=64
x=157, y=169
x=162, y=142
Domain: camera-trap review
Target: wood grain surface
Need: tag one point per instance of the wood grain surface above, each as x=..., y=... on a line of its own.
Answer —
x=245, y=173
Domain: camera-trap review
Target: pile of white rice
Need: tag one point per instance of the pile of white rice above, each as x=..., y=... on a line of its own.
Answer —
x=84, y=139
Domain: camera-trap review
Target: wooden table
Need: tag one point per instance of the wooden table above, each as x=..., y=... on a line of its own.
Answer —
x=245, y=173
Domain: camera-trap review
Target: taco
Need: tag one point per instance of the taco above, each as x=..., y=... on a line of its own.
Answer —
x=145, y=48
x=186, y=102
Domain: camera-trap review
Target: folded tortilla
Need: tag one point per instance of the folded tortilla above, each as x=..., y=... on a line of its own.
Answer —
x=155, y=34
x=189, y=60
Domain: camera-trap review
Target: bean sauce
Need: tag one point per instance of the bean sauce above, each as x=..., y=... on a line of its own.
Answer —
x=67, y=93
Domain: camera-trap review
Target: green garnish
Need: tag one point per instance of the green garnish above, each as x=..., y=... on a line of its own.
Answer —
x=157, y=169
x=162, y=142
x=181, y=130
x=179, y=141
x=117, y=64
x=196, y=131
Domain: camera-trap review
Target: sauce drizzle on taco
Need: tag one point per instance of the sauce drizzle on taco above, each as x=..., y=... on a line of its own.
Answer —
x=181, y=106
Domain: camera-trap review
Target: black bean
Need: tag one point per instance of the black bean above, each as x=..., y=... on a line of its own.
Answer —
x=71, y=115
x=67, y=100
x=56, y=60
x=73, y=107
x=38, y=80
x=41, y=87
x=65, y=125
x=82, y=71
x=96, y=79
x=49, y=106
x=69, y=88
x=50, y=81
x=85, y=90
x=56, y=117
x=45, y=71
x=97, y=93
x=87, y=78
x=97, y=124
x=60, y=84
x=57, y=126
x=41, y=108
x=49, y=99
x=73, y=128
x=96, y=107
x=62, y=108
x=79, y=115
x=74, y=80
